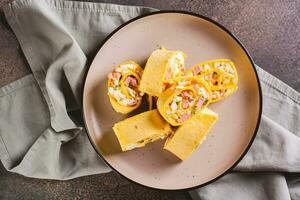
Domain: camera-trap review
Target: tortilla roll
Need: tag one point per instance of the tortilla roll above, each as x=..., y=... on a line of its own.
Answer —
x=192, y=133
x=221, y=76
x=141, y=129
x=161, y=66
x=186, y=97
x=123, y=87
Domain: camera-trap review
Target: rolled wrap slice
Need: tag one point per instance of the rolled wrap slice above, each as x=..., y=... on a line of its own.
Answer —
x=123, y=87
x=161, y=67
x=185, y=98
x=191, y=134
x=221, y=76
x=139, y=130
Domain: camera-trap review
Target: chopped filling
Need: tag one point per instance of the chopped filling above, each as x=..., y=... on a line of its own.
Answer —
x=182, y=84
x=206, y=67
x=126, y=93
x=169, y=73
x=219, y=74
x=200, y=69
x=200, y=103
x=175, y=66
x=226, y=67
x=187, y=103
x=126, y=68
x=216, y=94
x=225, y=81
x=132, y=81
x=197, y=70
x=212, y=75
x=173, y=106
x=217, y=79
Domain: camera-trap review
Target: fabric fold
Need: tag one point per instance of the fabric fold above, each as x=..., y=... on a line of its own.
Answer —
x=54, y=47
x=245, y=186
x=41, y=132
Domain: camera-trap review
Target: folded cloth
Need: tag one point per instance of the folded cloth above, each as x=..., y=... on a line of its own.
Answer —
x=41, y=128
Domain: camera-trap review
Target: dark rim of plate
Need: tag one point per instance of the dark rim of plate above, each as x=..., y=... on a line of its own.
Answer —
x=245, y=51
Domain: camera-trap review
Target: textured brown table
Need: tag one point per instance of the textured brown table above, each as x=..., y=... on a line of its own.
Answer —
x=269, y=29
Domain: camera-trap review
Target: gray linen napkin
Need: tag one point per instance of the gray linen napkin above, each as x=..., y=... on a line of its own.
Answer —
x=41, y=130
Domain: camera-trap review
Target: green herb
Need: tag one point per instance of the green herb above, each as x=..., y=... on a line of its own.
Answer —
x=116, y=87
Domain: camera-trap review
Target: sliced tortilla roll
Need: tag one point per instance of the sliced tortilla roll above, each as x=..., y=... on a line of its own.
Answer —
x=187, y=96
x=162, y=65
x=220, y=74
x=141, y=129
x=192, y=133
x=123, y=87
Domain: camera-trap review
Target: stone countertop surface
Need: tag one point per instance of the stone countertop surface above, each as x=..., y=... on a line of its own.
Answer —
x=269, y=29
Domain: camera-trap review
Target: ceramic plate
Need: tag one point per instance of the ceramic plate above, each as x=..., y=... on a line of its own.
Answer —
x=239, y=115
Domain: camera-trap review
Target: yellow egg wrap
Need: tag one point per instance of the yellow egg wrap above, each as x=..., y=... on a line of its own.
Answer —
x=123, y=97
x=187, y=96
x=161, y=66
x=141, y=129
x=192, y=133
x=221, y=76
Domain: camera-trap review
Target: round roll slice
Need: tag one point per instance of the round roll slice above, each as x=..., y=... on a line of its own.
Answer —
x=183, y=99
x=123, y=87
x=220, y=84
x=161, y=67
x=220, y=74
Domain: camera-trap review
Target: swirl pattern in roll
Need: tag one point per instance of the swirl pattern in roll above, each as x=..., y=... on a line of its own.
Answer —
x=123, y=87
x=221, y=76
x=187, y=96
